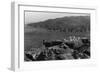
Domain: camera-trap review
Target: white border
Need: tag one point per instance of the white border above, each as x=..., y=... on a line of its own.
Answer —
x=18, y=37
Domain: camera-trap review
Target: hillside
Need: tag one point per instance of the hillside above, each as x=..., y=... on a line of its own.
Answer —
x=65, y=24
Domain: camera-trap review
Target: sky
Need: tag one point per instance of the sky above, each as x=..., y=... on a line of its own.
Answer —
x=33, y=17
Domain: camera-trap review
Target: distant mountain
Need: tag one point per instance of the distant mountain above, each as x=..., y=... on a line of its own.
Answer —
x=65, y=24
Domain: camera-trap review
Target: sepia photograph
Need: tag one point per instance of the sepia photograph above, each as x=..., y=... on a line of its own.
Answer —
x=56, y=36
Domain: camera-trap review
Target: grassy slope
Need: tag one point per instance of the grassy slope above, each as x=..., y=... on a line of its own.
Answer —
x=34, y=39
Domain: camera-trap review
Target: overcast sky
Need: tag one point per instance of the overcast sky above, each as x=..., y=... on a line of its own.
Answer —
x=32, y=17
